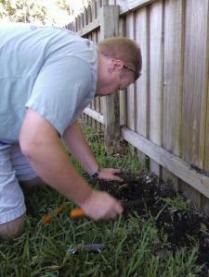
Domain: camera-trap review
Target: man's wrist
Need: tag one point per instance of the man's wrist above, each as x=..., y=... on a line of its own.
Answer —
x=95, y=175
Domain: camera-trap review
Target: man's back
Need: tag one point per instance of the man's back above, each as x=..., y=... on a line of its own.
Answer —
x=26, y=50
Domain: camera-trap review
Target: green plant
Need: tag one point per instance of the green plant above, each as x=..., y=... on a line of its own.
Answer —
x=177, y=203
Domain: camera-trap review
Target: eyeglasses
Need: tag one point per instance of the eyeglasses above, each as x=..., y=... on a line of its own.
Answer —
x=136, y=74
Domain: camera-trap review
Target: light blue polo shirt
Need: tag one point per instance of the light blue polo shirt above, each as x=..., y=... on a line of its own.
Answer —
x=47, y=69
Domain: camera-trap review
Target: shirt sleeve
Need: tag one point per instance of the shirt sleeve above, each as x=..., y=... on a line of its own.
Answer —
x=61, y=90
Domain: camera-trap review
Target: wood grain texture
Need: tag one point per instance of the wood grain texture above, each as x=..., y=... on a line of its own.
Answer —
x=94, y=9
x=155, y=77
x=173, y=81
x=94, y=114
x=155, y=73
x=195, y=82
x=172, y=77
x=109, y=27
x=130, y=100
x=132, y=5
x=122, y=94
x=142, y=82
x=174, y=164
x=206, y=151
x=206, y=156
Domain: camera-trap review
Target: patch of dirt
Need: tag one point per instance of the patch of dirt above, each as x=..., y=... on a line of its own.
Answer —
x=183, y=225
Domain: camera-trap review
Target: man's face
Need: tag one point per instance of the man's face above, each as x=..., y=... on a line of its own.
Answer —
x=118, y=76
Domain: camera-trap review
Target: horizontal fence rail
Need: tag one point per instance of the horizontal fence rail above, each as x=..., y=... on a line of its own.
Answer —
x=174, y=164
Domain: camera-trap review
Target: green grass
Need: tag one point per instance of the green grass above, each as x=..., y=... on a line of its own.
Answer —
x=132, y=245
x=178, y=203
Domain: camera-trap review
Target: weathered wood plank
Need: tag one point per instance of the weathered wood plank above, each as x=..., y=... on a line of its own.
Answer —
x=131, y=109
x=79, y=22
x=171, y=162
x=109, y=16
x=141, y=86
x=191, y=194
x=173, y=180
x=94, y=104
x=89, y=13
x=155, y=77
x=94, y=114
x=156, y=69
x=131, y=5
x=173, y=72
x=195, y=82
x=172, y=80
x=122, y=94
x=109, y=27
x=111, y=2
x=76, y=24
x=142, y=83
x=95, y=24
x=206, y=152
x=82, y=20
x=205, y=204
x=94, y=9
x=85, y=15
x=206, y=160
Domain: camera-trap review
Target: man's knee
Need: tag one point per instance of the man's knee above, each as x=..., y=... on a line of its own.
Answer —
x=13, y=228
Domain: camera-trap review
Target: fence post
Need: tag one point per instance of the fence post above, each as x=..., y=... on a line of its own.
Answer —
x=109, y=16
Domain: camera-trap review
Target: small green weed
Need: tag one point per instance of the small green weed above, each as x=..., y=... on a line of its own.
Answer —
x=178, y=203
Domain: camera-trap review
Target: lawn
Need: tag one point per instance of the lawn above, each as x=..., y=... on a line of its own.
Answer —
x=133, y=245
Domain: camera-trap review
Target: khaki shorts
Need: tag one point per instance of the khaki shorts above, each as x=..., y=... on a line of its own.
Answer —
x=14, y=167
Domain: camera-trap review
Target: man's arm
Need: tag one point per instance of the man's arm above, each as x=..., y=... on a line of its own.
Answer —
x=40, y=143
x=78, y=146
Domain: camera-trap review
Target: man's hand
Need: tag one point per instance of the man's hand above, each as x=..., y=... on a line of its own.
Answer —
x=100, y=205
x=109, y=174
x=75, y=140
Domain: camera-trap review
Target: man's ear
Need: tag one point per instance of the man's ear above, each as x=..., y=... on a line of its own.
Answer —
x=114, y=65
x=117, y=64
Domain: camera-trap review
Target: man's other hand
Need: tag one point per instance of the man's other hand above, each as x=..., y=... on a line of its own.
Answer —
x=109, y=174
x=101, y=205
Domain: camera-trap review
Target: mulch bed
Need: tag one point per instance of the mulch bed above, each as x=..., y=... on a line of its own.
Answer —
x=146, y=195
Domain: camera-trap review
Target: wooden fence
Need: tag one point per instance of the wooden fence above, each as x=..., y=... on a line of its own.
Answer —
x=165, y=115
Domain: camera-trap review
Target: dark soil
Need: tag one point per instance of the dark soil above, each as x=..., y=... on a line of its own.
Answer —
x=184, y=226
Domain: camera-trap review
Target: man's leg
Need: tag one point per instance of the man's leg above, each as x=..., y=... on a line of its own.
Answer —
x=12, y=228
x=14, y=170
x=12, y=206
x=25, y=174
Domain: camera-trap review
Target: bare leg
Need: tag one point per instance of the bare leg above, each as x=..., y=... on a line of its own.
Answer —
x=13, y=228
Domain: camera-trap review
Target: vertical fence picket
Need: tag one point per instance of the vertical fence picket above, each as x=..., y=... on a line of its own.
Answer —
x=195, y=82
x=131, y=111
x=109, y=27
x=94, y=9
x=122, y=94
x=155, y=77
x=141, y=24
x=172, y=80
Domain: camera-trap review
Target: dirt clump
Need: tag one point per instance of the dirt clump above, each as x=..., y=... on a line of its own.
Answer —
x=184, y=226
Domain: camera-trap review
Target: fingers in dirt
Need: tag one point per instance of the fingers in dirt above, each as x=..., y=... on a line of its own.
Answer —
x=118, y=175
